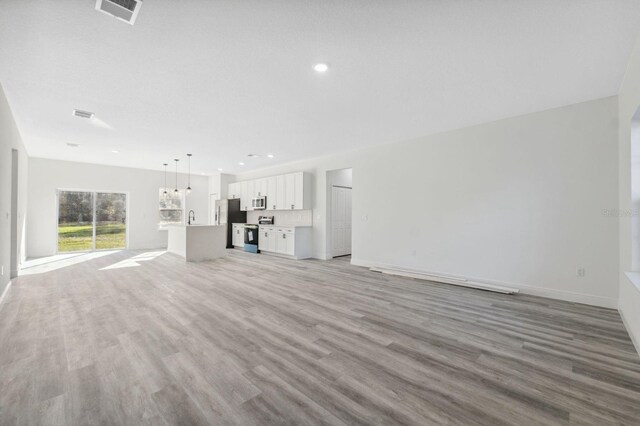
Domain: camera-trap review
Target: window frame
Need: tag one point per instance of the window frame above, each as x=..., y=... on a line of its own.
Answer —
x=183, y=199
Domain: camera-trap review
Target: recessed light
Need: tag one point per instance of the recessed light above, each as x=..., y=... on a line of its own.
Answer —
x=219, y=170
x=73, y=145
x=115, y=151
x=321, y=67
x=241, y=163
x=202, y=174
x=269, y=155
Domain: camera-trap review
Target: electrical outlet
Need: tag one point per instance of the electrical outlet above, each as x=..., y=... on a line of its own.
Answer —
x=580, y=271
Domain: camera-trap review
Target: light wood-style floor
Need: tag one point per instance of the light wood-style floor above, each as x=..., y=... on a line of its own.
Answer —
x=258, y=340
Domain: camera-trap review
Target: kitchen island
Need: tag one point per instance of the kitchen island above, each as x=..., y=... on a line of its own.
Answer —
x=197, y=242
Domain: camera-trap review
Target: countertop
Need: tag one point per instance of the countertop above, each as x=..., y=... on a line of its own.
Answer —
x=275, y=226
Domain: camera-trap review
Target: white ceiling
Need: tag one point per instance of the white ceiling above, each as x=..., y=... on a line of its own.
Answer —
x=223, y=79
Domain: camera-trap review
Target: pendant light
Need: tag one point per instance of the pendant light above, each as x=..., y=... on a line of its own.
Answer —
x=165, y=180
x=176, y=190
x=189, y=175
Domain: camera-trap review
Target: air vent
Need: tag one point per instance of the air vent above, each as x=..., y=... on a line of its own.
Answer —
x=82, y=114
x=124, y=10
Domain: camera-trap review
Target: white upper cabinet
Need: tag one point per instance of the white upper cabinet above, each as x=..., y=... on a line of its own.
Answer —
x=260, y=187
x=250, y=194
x=298, y=191
x=245, y=202
x=272, y=192
x=234, y=190
x=283, y=192
x=290, y=191
x=294, y=186
x=280, y=193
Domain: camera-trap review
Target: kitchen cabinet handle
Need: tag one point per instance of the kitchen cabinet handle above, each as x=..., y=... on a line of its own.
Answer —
x=292, y=206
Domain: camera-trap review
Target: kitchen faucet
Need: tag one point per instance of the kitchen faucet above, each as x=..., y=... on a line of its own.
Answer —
x=194, y=217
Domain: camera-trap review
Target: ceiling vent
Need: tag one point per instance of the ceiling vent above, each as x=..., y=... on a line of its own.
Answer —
x=124, y=10
x=82, y=114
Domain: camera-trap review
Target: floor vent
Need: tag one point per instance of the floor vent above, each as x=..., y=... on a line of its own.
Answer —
x=124, y=10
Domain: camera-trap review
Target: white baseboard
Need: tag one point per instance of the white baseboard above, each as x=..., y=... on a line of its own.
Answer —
x=4, y=294
x=462, y=282
x=587, y=299
x=635, y=342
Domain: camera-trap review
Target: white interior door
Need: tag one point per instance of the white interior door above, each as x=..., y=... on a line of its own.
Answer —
x=341, y=221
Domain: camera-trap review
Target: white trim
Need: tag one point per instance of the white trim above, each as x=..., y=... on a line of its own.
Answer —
x=587, y=299
x=462, y=282
x=634, y=278
x=636, y=344
x=4, y=294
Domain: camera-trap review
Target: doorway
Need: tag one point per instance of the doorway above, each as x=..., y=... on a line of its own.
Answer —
x=339, y=197
x=90, y=221
x=341, y=221
x=13, y=257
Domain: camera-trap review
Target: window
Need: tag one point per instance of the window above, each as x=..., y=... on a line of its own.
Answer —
x=171, y=207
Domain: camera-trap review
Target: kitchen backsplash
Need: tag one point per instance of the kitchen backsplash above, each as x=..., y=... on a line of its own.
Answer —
x=283, y=217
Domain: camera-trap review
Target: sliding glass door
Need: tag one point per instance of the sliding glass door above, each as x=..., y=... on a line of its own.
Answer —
x=75, y=221
x=111, y=221
x=91, y=221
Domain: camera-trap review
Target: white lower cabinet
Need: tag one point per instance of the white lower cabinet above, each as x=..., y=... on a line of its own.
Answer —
x=285, y=241
x=295, y=242
x=267, y=239
x=237, y=236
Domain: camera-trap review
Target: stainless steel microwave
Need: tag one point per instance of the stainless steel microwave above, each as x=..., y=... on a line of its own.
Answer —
x=259, y=203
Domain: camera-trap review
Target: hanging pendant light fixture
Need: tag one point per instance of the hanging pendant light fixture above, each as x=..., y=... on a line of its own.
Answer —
x=165, y=180
x=189, y=175
x=176, y=190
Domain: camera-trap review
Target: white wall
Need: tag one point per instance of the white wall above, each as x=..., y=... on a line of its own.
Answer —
x=628, y=104
x=46, y=176
x=10, y=139
x=519, y=201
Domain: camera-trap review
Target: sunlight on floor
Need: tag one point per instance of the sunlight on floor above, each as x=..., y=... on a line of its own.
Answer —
x=51, y=263
x=133, y=261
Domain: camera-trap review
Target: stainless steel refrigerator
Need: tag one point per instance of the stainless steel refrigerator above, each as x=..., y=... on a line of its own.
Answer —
x=228, y=212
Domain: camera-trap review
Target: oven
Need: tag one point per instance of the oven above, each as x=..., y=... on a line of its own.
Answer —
x=251, y=238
